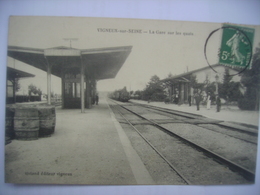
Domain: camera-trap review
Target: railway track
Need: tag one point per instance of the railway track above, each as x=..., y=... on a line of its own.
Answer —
x=242, y=128
x=125, y=110
x=241, y=132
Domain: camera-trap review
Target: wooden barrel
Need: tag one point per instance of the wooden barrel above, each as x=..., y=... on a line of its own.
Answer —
x=47, y=120
x=26, y=123
x=9, y=122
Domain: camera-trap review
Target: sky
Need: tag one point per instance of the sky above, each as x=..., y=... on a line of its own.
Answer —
x=160, y=47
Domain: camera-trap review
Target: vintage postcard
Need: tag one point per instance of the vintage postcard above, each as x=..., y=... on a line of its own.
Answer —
x=106, y=101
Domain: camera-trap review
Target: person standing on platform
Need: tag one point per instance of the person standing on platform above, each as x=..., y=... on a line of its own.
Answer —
x=176, y=96
x=197, y=97
x=208, y=101
x=149, y=100
x=189, y=99
x=97, y=98
x=218, y=102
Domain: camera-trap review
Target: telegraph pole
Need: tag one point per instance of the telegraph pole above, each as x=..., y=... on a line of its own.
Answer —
x=70, y=39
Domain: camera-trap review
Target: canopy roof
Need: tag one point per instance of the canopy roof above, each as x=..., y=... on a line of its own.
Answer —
x=185, y=77
x=13, y=73
x=101, y=63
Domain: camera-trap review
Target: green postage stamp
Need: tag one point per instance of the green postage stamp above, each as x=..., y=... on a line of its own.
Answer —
x=236, y=46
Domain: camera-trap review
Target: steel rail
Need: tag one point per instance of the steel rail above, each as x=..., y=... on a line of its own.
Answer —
x=160, y=154
x=192, y=116
x=166, y=110
x=233, y=166
x=169, y=111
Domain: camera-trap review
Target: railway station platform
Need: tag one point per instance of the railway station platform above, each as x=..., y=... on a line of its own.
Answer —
x=227, y=113
x=92, y=148
x=86, y=148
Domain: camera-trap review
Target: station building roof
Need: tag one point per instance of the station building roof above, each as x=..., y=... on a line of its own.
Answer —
x=185, y=77
x=100, y=63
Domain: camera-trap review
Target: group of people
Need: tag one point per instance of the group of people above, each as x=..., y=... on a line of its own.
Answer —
x=198, y=99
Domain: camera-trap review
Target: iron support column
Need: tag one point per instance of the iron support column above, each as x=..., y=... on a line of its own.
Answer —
x=63, y=88
x=182, y=92
x=14, y=90
x=49, y=83
x=82, y=94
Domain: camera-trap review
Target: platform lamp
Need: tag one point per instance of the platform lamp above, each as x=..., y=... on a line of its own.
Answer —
x=217, y=78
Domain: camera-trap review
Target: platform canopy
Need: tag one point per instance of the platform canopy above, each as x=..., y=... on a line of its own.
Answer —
x=172, y=80
x=90, y=64
x=101, y=63
x=13, y=73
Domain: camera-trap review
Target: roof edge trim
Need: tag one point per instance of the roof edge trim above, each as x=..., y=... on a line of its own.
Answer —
x=107, y=50
x=25, y=49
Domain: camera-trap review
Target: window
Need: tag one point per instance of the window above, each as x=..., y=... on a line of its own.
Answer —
x=77, y=90
x=10, y=91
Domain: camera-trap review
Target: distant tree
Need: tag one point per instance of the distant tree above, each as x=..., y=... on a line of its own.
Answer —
x=33, y=89
x=170, y=75
x=154, y=90
x=17, y=84
x=229, y=90
x=224, y=87
x=194, y=83
x=251, y=80
x=138, y=94
x=209, y=87
x=52, y=94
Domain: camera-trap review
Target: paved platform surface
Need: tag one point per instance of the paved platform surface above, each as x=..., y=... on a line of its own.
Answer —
x=227, y=114
x=91, y=148
x=86, y=148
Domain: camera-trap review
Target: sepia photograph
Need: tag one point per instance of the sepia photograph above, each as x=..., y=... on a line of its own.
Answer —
x=109, y=101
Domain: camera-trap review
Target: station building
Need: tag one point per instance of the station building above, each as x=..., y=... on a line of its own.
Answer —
x=181, y=84
x=79, y=69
